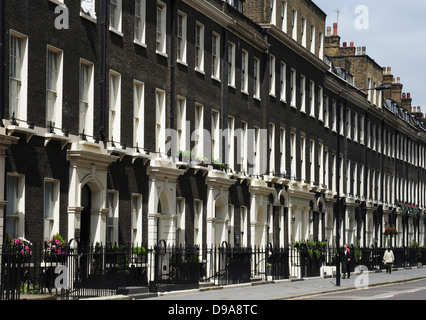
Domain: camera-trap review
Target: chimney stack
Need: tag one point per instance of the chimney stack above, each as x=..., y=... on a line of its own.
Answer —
x=406, y=99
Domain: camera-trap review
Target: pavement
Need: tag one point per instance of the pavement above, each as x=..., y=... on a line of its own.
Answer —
x=291, y=288
x=287, y=289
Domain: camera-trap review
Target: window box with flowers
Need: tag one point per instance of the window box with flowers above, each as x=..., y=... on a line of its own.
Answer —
x=18, y=249
x=390, y=231
x=55, y=249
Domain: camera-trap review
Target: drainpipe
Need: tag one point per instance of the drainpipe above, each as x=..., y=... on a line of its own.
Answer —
x=102, y=80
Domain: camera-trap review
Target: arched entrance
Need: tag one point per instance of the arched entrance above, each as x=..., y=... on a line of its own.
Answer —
x=166, y=227
x=86, y=203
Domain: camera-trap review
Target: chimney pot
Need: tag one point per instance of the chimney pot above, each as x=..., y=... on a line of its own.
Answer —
x=344, y=44
x=335, y=28
x=403, y=96
x=408, y=95
x=352, y=44
x=328, y=31
x=389, y=70
x=398, y=79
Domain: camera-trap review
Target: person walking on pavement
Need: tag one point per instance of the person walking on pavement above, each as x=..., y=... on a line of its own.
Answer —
x=388, y=259
x=346, y=261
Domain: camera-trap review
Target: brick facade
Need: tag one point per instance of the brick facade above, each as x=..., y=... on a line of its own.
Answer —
x=272, y=199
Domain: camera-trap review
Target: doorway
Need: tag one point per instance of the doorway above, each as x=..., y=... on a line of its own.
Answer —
x=86, y=203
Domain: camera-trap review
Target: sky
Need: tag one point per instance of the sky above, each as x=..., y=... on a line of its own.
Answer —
x=393, y=32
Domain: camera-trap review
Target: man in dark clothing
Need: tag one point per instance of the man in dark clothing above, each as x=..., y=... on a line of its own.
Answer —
x=346, y=261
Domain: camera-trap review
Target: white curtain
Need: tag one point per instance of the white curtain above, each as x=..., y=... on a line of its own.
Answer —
x=88, y=7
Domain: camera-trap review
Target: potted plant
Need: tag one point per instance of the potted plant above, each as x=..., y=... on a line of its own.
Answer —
x=217, y=164
x=140, y=253
x=202, y=161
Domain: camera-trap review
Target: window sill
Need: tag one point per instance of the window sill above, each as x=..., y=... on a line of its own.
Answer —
x=112, y=29
x=161, y=53
x=87, y=17
x=139, y=43
x=182, y=62
x=59, y=3
x=216, y=79
x=199, y=70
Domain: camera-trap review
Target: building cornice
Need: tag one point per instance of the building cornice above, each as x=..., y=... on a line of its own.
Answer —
x=284, y=38
x=226, y=21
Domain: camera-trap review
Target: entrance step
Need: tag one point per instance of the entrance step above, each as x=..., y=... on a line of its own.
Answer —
x=137, y=292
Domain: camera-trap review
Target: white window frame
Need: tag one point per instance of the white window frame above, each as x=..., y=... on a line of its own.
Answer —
x=256, y=80
x=244, y=147
x=320, y=103
x=244, y=71
x=198, y=133
x=230, y=143
x=216, y=56
x=326, y=111
x=18, y=211
x=199, y=47
x=293, y=160
x=283, y=167
x=116, y=17
x=272, y=86
x=304, y=32
x=136, y=218
x=294, y=24
x=140, y=23
x=302, y=89
x=51, y=218
x=112, y=216
x=312, y=97
x=54, y=112
x=293, y=88
x=181, y=41
x=273, y=5
x=160, y=122
x=114, y=107
x=18, y=72
x=302, y=158
x=271, y=137
x=215, y=135
x=231, y=64
x=198, y=222
x=86, y=98
x=283, y=82
x=312, y=39
x=284, y=16
x=138, y=114
x=161, y=26
x=312, y=157
x=181, y=125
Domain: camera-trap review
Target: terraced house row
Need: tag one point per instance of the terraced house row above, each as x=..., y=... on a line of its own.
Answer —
x=201, y=122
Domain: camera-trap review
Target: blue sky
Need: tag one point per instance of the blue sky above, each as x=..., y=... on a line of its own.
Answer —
x=394, y=33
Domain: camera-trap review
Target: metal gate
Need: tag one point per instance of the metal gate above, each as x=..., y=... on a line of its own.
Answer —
x=175, y=268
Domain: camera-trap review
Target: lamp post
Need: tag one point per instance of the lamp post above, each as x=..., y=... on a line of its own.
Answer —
x=382, y=87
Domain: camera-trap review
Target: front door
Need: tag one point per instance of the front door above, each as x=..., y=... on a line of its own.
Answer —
x=86, y=196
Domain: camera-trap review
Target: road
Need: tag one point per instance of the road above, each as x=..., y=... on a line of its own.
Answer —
x=411, y=290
